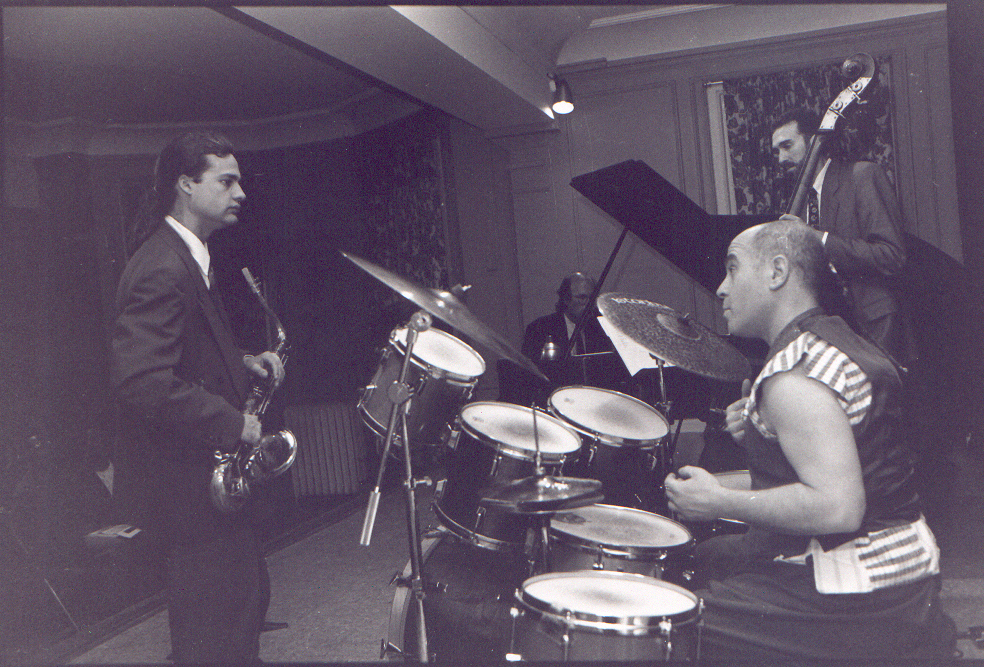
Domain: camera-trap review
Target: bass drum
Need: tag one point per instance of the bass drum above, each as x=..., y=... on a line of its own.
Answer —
x=469, y=594
x=606, y=617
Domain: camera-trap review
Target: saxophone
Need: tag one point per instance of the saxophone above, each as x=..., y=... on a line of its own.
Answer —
x=236, y=471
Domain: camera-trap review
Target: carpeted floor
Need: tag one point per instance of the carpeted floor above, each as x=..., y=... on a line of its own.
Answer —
x=337, y=599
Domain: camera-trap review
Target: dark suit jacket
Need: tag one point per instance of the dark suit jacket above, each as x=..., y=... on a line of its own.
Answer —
x=859, y=208
x=606, y=371
x=178, y=375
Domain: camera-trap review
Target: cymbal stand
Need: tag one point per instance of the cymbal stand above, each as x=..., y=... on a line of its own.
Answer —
x=542, y=519
x=665, y=405
x=400, y=394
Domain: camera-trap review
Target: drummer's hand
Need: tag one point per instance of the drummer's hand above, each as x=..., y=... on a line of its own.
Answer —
x=734, y=416
x=691, y=492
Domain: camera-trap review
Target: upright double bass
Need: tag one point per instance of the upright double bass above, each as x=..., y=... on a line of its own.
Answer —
x=859, y=69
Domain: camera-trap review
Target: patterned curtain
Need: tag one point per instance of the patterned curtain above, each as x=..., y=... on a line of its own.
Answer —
x=754, y=103
x=405, y=194
x=403, y=175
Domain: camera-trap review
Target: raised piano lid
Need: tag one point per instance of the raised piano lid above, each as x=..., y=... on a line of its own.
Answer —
x=671, y=223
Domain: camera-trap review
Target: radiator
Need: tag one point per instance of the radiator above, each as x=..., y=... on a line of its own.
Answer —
x=332, y=449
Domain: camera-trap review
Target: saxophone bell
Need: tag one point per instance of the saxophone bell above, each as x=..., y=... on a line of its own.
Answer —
x=233, y=475
x=272, y=456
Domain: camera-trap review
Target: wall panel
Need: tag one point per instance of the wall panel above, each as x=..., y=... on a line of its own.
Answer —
x=655, y=110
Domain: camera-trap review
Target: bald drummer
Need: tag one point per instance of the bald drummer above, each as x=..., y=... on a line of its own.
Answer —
x=838, y=562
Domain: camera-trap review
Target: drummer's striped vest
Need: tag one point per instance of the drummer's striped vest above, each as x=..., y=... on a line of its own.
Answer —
x=886, y=462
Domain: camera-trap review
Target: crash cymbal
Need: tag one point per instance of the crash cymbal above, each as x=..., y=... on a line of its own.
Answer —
x=449, y=309
x=544, y=494
x=674, y=338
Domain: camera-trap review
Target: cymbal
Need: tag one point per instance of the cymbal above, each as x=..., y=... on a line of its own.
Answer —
x=448, y=308
x=544, y=494
x=675, y=338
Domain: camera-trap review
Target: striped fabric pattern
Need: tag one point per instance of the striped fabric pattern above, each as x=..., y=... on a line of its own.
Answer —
x=881, y=559
x=822, y=362
x=896, y=555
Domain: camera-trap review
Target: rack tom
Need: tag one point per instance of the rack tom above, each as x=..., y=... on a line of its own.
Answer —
x=442, y=374
x=621, y=439
x=493, y=445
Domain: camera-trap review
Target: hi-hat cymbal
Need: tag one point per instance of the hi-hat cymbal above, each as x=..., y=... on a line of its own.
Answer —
x=545, y=494
x=448, y=308
x=674, y=338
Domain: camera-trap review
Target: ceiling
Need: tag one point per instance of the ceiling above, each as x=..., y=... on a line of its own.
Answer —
x=354, y=67
x=122, y=65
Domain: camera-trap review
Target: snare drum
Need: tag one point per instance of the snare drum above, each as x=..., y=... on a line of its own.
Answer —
x=619, y=539
x=620, y=437
x=442, y=374
x=492, y=445
x=604, y=616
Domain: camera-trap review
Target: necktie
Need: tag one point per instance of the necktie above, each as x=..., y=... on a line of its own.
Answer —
x=813, y=210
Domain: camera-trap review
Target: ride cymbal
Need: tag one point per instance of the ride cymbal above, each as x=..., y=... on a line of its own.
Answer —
x=674, y=338
x=449, y=309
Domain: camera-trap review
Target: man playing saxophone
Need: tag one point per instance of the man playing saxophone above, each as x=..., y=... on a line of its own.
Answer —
x=181, y=381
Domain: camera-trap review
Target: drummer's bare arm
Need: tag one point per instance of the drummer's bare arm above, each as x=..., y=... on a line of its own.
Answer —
x=816, y=438
x=734, y=418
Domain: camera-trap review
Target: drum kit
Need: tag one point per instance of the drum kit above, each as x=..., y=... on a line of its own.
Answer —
x=557, y=574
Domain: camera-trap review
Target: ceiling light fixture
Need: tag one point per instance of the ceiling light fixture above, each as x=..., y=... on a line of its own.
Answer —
x=563, y=99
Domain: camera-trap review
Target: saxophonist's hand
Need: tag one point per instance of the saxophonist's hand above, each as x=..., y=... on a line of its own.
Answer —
x=252, y=430
x=266, y=364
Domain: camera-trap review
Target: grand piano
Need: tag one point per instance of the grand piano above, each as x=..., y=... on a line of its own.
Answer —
x=654, y=210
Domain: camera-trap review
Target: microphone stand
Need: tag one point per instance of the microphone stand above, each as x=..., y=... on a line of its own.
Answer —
x=400, y=394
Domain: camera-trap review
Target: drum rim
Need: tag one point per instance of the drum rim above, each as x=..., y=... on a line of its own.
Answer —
x=511, y=450
x=437, y=371
x=621, y=551
x=616, y=625
x=606, y=438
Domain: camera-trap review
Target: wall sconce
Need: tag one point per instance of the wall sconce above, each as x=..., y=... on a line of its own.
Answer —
x=563, y=99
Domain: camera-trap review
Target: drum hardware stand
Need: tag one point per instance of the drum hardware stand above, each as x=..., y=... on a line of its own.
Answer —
x=662, y=460
x=541, y=543
x=400, y=395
